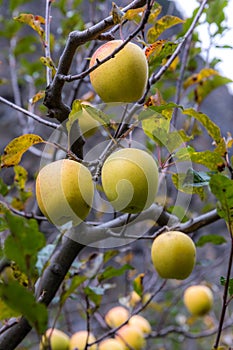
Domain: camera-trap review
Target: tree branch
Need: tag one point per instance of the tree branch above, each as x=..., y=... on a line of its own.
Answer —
x=53, y=96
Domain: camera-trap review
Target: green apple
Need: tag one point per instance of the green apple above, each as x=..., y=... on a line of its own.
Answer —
x=79, y=340
x=110, y=344
x=131, y=337
x=123, y=78
x=173, y=255
x=57, y=340
x=130, y=180
x=64, y=191
x=198, y=299
x=116, y=316
x=140, y=322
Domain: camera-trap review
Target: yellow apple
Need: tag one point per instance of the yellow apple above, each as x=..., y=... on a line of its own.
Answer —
x=141, y=323
x=131, y=337
x=110, y=344
x=173, y=255
x=116, y=316
x=198, y=299
x=64, y=191
x=57, y=340
x=79, y=340
x=130, y=180
x=123, y=78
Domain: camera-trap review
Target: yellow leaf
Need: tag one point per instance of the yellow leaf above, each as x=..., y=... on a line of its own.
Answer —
x=133, y=13
x=199, y=77
x=33, y=21
x=48, y=62
x=154, y=13
x=38, y=96
x=15, y=149
x=116, y=13
x=161, y=25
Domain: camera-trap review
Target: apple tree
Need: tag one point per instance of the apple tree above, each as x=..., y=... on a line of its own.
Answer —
x=116, y=183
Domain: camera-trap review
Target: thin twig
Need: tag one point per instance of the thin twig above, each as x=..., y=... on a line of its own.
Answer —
x=156, y=76
x=47, y=39
x=29, y=114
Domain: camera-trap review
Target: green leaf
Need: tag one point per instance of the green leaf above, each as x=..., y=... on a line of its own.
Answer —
x=6, y=311
x=24, y=242
x=22, y=301
x=75, y=283
x=223, y=282
x=222, y=187
x=212, y=129
x=95, y=294
x=196, y=178
x=14, y=151
x=3, y=225
x=180, y=182
x=214, y=239
x=111, y=272
x=3, y=188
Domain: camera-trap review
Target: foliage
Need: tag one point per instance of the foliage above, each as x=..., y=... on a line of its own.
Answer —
x=50, y=77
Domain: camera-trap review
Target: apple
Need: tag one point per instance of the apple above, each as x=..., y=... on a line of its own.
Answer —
x=198, y=299
x=131, y=337
x=141, y=323
x=122, y=78
x=64, y=191
x=57, y=340
x=130, y=180
x=116, y=316
x=79, y=340
x=110, y=344
x=173, y=255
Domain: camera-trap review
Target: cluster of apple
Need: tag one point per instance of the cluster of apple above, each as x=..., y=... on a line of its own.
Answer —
x=132, y=333
x=64, y=188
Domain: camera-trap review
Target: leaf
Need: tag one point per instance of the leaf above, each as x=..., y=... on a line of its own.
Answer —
x=179, y=180
x=157, y=55
x=21, y=176
x=75, y=283
x=161, y=25
x=222, y=187
x=212, y=129
x=22, y=301
x=209, y=159
x=214, y=239
x=155, y=48
x=206, y=87
x=6, y=311
x=111, y=272
x=223, y=282
x=33, y=21
x=196, y=178
x=133, y=14
x=116, y=13
x=48, y=62
x=95, y=294
x=3, y=188
x=38, y=96
x=138, y=284
x=14, y=151
x=199, y=77
x=3, y=208
x=24, y=242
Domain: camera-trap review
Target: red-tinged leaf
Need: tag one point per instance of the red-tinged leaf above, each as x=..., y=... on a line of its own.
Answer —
x=155, y=48
x=14, y=151
x=33, y=21
x=161, y=25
